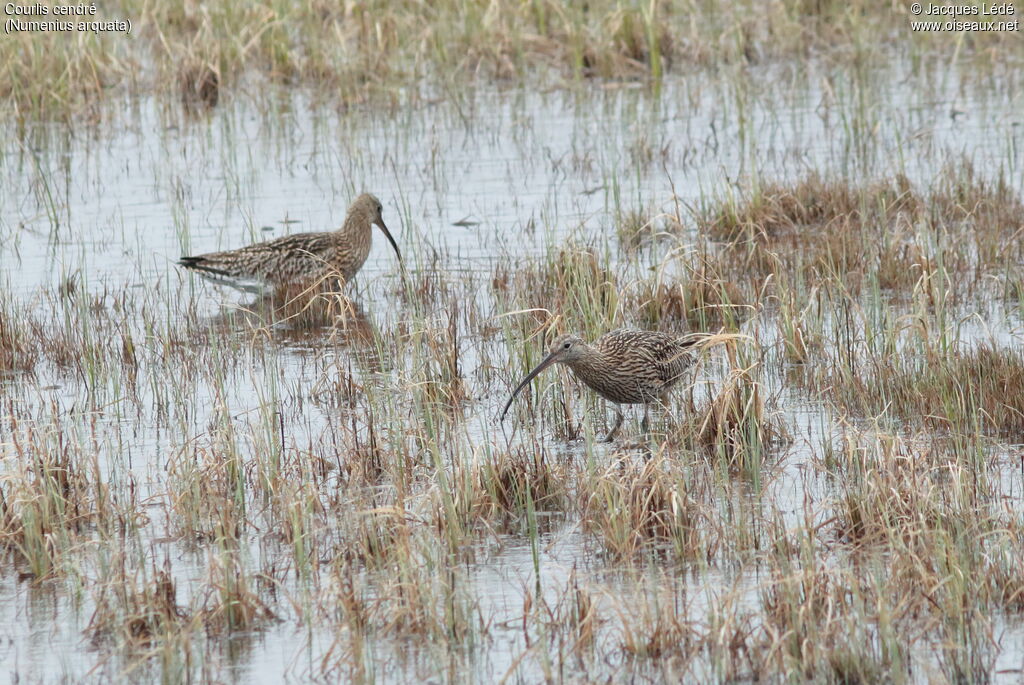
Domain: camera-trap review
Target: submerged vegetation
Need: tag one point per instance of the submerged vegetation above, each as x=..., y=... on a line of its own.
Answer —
x=314, y=484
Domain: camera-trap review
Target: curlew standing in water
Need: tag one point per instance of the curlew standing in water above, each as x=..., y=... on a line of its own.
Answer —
x=623, y=366
x=302, y=257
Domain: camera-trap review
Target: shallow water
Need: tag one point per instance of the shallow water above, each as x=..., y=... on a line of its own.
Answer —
x=110, y=210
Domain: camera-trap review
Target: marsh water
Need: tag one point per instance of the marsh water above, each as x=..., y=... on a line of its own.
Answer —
x=470, y=183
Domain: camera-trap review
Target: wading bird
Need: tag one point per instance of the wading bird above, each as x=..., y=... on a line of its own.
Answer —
x=302, y=257
x=623, y=366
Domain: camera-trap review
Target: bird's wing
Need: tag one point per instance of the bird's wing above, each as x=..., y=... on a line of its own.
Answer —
x=667, y=355
x=313, y=243
x=259, y=260
x=676, y=359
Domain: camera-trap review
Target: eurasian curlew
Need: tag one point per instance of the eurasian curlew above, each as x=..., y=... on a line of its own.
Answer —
x=624, y=366
x=302, y=257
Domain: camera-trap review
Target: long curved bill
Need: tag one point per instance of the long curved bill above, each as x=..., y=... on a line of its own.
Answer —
x=548, y=361
x=391, y=240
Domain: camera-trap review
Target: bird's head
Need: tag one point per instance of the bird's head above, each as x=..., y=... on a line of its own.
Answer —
x=565, y=349
x=370, y=209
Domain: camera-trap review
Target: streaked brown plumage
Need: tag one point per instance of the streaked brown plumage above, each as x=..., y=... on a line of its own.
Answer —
x=302, y=257
x=623, y=366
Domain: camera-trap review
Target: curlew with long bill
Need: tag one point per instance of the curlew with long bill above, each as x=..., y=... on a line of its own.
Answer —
x=299, y=258
x=624, y=366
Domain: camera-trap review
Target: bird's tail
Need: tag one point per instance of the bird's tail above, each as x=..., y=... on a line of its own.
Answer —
x=203, y=265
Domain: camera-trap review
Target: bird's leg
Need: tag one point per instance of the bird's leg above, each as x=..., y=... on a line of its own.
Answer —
x=665, y=408
x=615, y=428
x=645, y=423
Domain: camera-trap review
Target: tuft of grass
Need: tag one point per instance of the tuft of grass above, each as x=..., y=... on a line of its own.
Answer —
x=885, y=233
x=49, y=500
x=199, y=84
x=639, y=509
x=635, y=228
x=574, y=281
x=16, y=352
x=705, y=298
x=514, y=484
x=138, y=616
x=817, y=228
x=734, y=429
x=657, y=629
x=976, y=389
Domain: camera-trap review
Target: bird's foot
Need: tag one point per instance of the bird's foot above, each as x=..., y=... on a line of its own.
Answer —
x=615, y=428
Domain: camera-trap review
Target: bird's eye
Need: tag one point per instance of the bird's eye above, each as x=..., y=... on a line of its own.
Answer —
x=567, y=345
x=379, y=209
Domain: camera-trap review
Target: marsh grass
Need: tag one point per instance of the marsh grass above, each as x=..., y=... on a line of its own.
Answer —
x=518, y=484
x=200, y=86
x=824, y=624
x=374, y=526
x=705, y=297
x=329, y=482
x=974, y=389
x=735, y=429
x=146, y=611
x=643, y=508
x=50, y=499
x=373, y=523
x=816, y=228
x=15, y=353
x=370, y=51
x=946, y=534
x=637, y=229
x=657, y=629
x=46, y=74
x=576, y=282
x=886, y=233
x=233, y=602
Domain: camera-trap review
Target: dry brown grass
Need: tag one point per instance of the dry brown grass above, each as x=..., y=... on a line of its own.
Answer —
x=353, y=52
x=657, y=629
x=642, y=508
x=977, y=388
x=501, y=493
x=575, y=281
x=707, y=297
x=438, y=380
x=786, y=214
x=819, y=229
x=835, y=230
x=829, y=625
x=233, y=602
x=522, y=480
x=16, y=353
x=734, y=426
x=199, y=85
x=144, y=612
x=49, y=500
